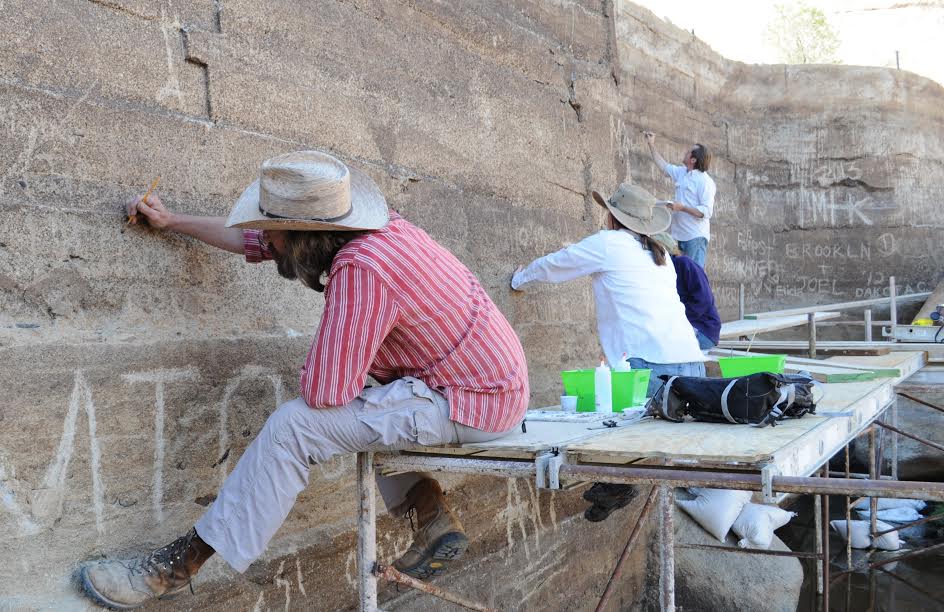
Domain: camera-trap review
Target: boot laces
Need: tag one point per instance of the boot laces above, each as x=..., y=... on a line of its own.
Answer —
x=168, y=560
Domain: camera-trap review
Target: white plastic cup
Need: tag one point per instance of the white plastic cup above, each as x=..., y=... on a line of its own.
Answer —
x=569, y=403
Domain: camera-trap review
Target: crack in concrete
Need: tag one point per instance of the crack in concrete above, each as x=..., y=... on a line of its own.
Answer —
x=119, y=8
x=572, y=97
x=218, y=16
x=851, y=182
x=612, y=48
x=582, y=194
x=190, y=58
x=588, y=203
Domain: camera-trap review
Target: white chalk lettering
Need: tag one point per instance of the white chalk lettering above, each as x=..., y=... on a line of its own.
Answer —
x=159, y=378
x=48, y=500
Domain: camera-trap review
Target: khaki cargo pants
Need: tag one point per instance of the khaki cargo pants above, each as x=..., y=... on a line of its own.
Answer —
x=261, y=490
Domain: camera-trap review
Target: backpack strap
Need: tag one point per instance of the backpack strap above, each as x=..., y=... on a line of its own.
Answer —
x=667, y=387
x=787, y=395
x=724, y=401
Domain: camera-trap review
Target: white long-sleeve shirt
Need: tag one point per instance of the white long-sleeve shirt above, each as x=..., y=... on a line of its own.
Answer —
x=696, y=189
x=639, y=311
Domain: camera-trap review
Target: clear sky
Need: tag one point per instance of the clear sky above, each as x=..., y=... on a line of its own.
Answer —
x=871, y=30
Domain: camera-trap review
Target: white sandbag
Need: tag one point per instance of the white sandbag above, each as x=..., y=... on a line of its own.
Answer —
x=884, y=503
x=860, y=534
x=889, y=541
x=904, y=514
x=756, y=523
x=715, y=509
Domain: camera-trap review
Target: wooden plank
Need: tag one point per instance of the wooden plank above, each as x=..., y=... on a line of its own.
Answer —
x=721, y=443
x=795, y=447
x=837, y=365
x=802, y=456
x=935, y=351
x=827, y=374
x=845, y=364
x=799, y=351
x=820, y=370
x=838, y=306
x=746, y=327
x=905, y=363
x=541, y=436
x=456, y=451
x=845, y=344
x=937, y=297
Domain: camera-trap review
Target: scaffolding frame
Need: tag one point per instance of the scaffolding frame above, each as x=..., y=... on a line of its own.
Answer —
x=551, y=470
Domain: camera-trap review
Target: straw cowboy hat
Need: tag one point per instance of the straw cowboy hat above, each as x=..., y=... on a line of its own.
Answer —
x=310, y=190
x=636, y=209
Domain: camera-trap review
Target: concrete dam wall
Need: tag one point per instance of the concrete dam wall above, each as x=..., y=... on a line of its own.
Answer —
x=137, y=366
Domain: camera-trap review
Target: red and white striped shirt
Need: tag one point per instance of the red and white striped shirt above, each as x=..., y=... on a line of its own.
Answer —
x=399, y=304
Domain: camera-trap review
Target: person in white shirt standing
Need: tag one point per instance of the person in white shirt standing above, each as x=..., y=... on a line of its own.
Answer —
x=694, y=198
x=638, y=308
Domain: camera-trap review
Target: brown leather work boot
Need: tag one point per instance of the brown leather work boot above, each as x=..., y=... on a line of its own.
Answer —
x=127, y=584
x=439, y=537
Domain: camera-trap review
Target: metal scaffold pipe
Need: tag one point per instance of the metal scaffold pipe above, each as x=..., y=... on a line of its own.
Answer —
x=753, y=482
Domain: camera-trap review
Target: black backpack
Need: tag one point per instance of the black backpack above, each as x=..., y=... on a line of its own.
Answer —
x=760, y=399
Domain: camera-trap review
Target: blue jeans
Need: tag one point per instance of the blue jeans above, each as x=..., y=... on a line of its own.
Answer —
x=696, y=249
x=704, y=342
x=694, y=368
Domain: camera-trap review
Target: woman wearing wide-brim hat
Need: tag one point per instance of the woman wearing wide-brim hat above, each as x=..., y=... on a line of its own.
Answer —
x=639, y=312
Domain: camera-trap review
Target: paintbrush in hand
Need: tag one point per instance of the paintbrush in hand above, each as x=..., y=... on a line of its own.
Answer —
x=134, y=218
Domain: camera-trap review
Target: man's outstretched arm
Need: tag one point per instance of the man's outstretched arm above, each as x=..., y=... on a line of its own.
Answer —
x=211, y=230
x=651, y=141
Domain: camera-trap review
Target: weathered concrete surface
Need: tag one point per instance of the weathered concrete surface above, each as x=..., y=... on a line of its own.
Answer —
x=829, y=177
x=132, y=361
x=138, y=366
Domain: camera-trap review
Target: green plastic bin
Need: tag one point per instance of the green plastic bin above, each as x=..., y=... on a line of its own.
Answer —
x=629, y=388
x=732, y=367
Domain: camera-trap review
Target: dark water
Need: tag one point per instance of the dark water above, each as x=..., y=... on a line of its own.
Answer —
x=915, y=584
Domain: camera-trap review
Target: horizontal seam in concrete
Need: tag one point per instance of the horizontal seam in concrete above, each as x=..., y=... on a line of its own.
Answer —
x=117, y=104
x=107, y=103
x=164, y=340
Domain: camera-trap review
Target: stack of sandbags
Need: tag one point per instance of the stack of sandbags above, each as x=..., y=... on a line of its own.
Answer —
x=861, y=538
x=892, y=510
x=718, y=511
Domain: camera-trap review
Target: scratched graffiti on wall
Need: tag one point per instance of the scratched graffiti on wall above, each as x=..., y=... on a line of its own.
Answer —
x=40, y=505
x=784, y=268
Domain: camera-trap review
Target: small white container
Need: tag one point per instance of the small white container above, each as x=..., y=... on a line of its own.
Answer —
x=622, y=365
x=568, y=403
x=603, y=389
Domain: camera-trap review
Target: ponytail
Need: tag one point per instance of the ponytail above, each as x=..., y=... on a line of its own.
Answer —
x=655, y=247
x=648, y=243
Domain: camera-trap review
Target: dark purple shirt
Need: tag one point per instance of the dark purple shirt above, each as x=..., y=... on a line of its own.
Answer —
x=692, y=285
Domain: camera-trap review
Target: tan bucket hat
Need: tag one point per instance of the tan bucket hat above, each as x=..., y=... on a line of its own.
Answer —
x=670, y=243
x=637, y=209
x=310, y=190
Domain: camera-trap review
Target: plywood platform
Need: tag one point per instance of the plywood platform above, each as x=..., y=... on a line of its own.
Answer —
x=749, y=327
x=795, y=447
